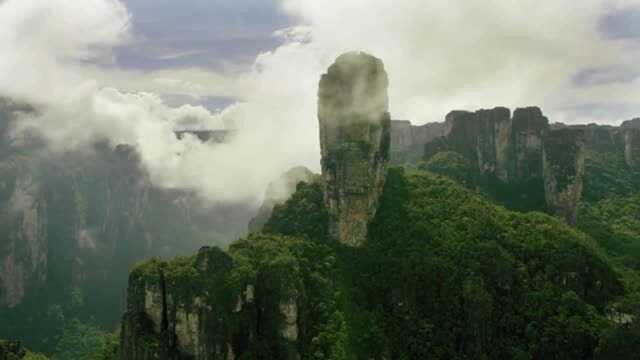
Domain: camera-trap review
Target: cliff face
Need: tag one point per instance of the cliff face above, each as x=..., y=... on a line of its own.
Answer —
x=355, y=140
x=24, y=233
x=23, y=217
x=529, y=127
x=631, y=124
x=408, y=141
x=207, y=307
x=162, y=322
x=503, y=146
x=528, y=164
x=632, y=147
x=482, y=137
x=75, y=223
x=563, y=171
x=508, y=153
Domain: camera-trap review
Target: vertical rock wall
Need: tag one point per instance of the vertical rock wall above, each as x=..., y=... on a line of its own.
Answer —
x=632, y=147
x=525, y=155
x=482, y=137
x=179, y=312
x=529, y=127
x=563, y=169
x=24, y=229
x=355, y=141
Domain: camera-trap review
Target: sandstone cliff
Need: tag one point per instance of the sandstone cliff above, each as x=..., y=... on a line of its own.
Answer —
x=354, y=139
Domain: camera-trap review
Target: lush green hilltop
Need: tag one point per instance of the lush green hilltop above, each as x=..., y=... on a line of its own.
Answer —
x=443, y=274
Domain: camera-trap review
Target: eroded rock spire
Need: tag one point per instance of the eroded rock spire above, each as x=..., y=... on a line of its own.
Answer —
x=353, y=110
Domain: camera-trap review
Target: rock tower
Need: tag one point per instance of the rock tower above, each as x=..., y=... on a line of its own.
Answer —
x=355, y=138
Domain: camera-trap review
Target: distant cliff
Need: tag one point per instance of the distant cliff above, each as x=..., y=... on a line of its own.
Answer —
x=525, y=162
x=408, y=141
x=72, y=225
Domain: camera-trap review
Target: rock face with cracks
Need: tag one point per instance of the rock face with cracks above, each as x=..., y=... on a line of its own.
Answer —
x=355, y=140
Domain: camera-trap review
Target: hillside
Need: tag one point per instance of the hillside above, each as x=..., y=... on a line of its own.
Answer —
x=476, y=279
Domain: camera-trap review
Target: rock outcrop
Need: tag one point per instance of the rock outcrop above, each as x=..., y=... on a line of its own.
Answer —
x=161, y=322
x=632, y=147
x=563, y=171
x=509, y=152
x=187, y=309
x=528, y=164
x=631, y=124
x=500, y=145
x=529, y=127
x=482, y=137
x=77, y=222
x=355, y=141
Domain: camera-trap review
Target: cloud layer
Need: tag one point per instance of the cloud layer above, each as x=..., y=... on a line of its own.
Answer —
x=440, y=55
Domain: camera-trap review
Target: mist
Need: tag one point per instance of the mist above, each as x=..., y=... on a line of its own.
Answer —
x=440, y=55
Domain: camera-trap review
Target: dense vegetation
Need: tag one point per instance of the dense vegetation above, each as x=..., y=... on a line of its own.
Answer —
x=608, y=175
x=519, y=194
x=268, y=268
x=446, y=274
x=15, y=351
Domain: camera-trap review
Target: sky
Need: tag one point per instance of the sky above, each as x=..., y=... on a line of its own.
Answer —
x=132, y=71
x=227, y=35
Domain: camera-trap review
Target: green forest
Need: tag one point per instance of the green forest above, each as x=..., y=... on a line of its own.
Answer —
x=444, y=274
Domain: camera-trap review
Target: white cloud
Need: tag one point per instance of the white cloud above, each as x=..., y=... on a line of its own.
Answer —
x=444, y=54
x=42, y=42
x=440, y=55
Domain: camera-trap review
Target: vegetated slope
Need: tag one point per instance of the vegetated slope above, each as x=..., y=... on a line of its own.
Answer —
x=14, y=351
x=444, y=274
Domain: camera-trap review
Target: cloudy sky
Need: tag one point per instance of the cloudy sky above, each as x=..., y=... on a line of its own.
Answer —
x=131, y=71
x=228, y=35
